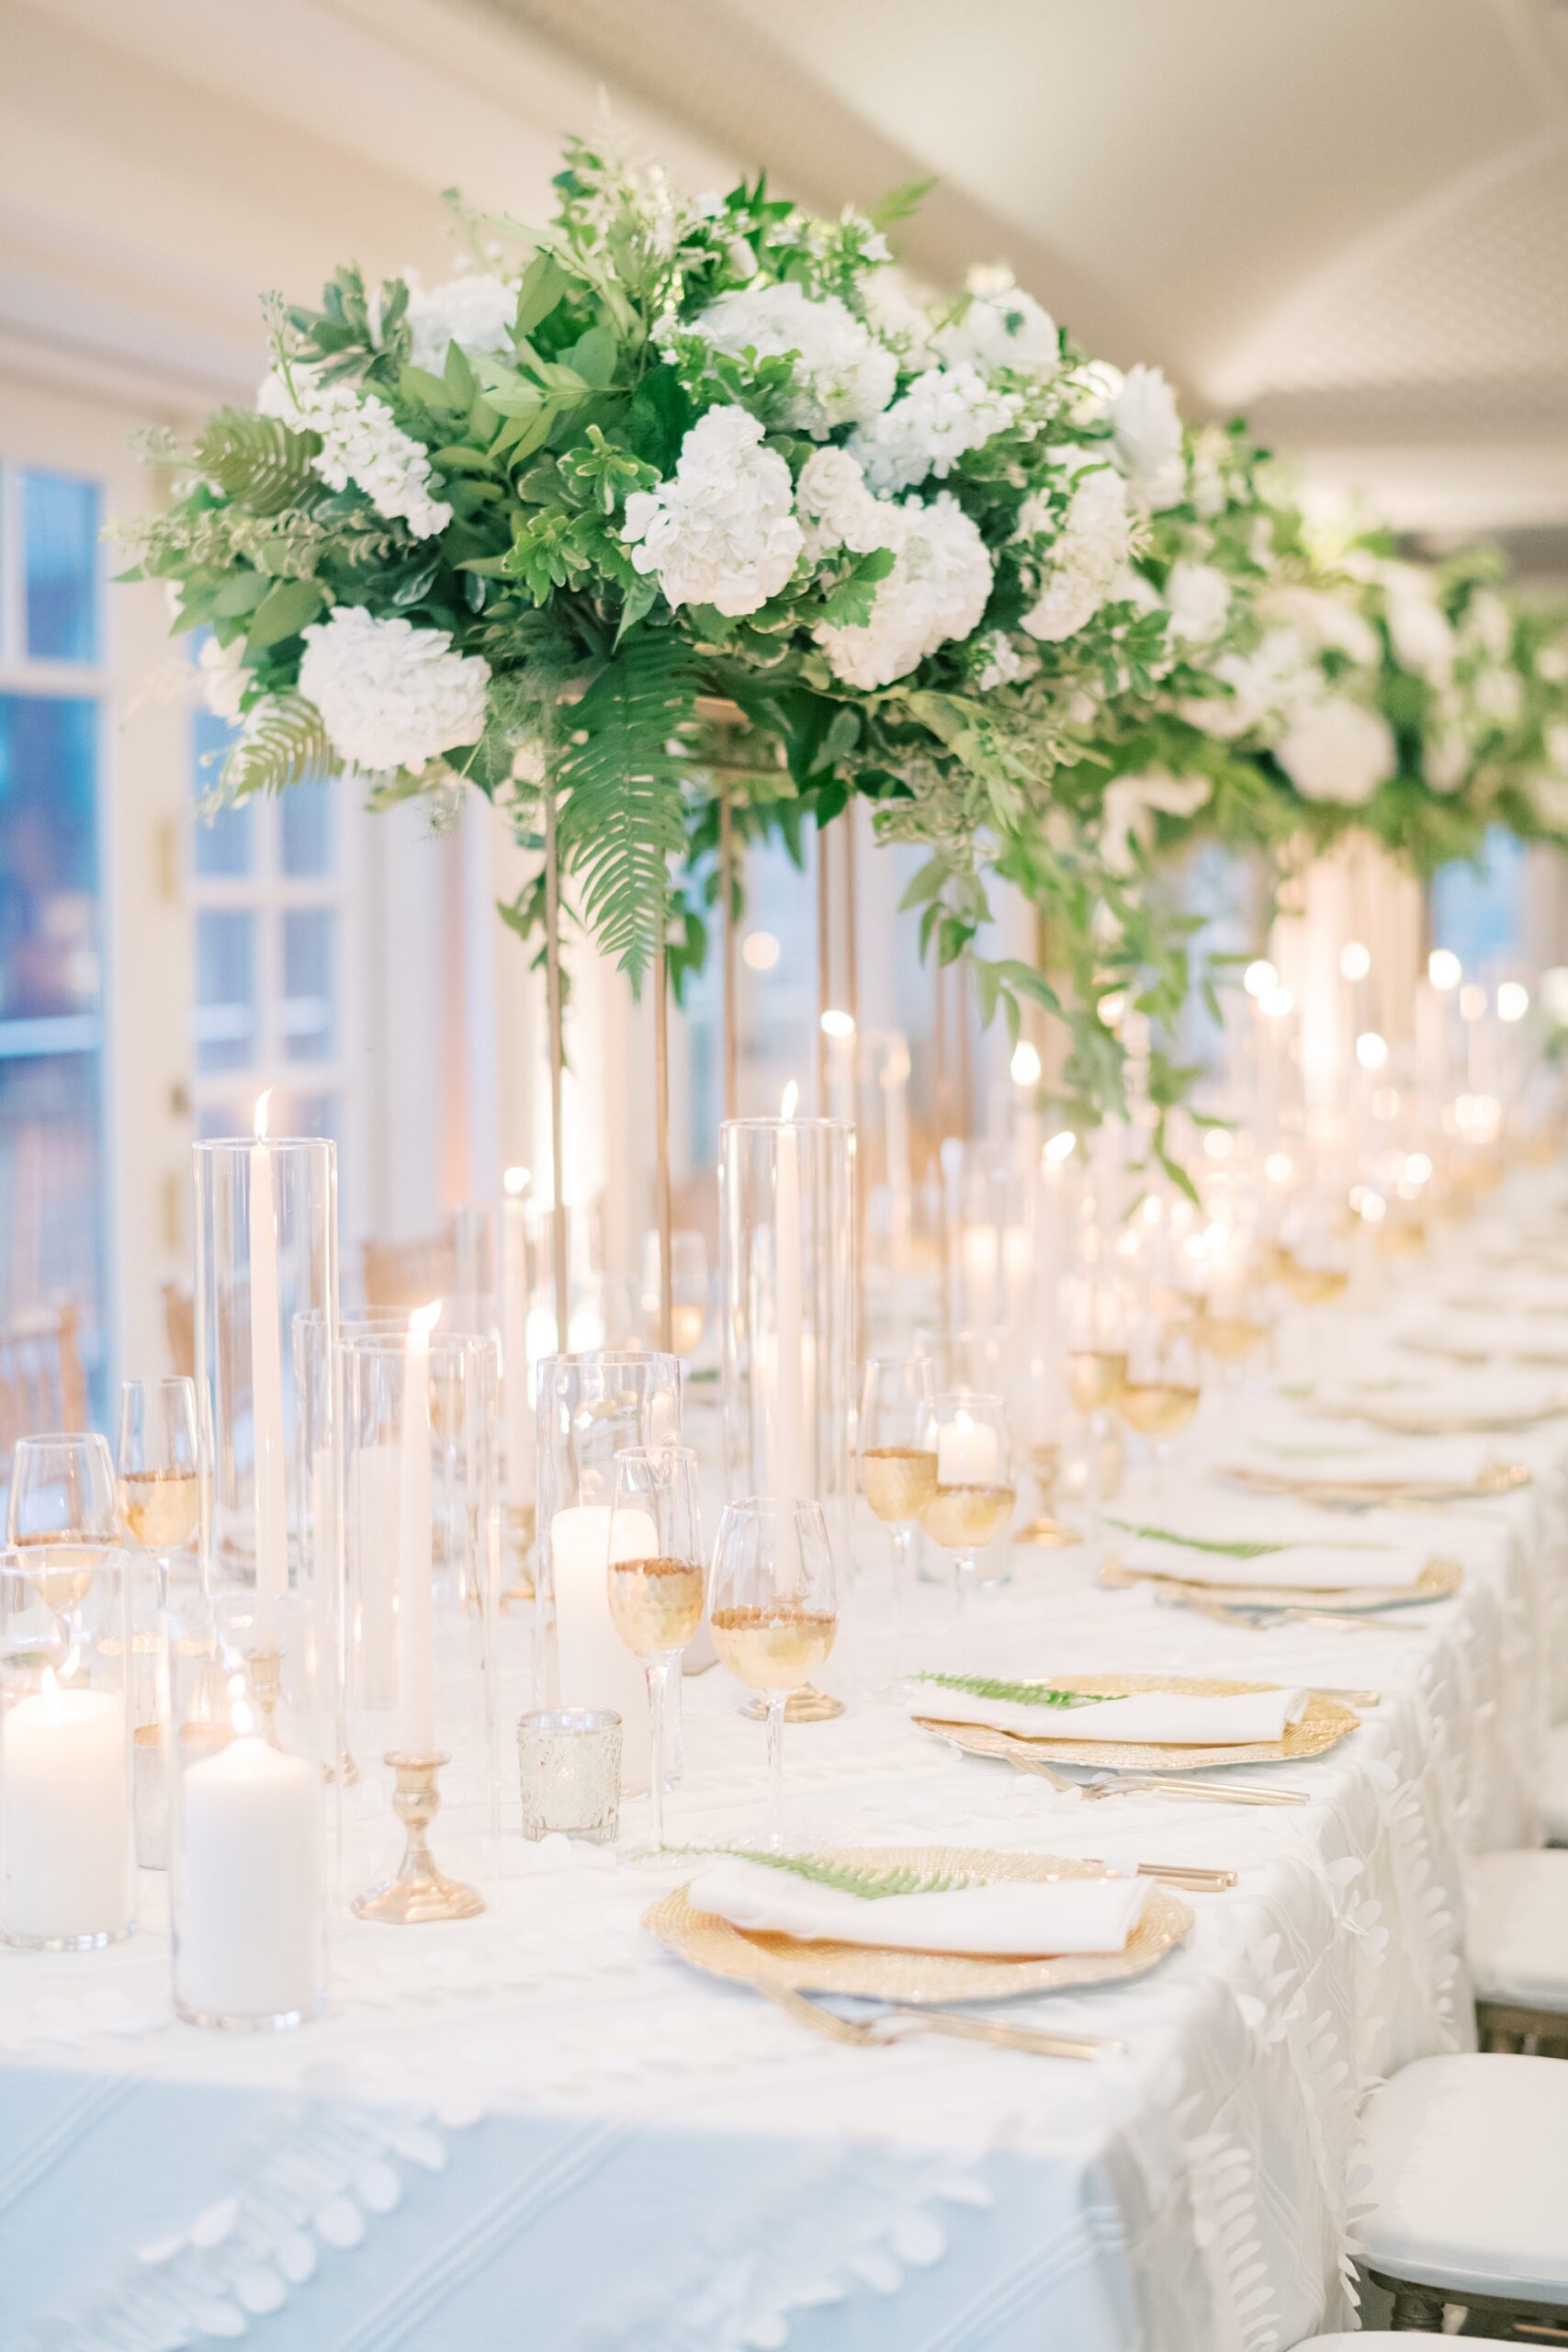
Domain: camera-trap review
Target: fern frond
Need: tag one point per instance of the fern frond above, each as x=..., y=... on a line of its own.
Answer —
x=284, y=742
x=1019, y=1694
x=258, y=462
x=622, y=778
x=1244, y=1548
x=850, y=1879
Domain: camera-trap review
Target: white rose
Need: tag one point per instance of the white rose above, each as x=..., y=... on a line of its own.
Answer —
x=1339, y=751
x=1148, y=433
x=391, y=695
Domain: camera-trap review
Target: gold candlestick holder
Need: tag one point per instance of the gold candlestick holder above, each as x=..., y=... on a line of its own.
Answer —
x=417, y=1891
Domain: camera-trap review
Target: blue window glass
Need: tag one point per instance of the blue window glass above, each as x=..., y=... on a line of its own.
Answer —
x=225, y=989
x=60, y=544
x=1480, y=913
x=225, y=844
x=51, y=1143
x=309, y=1011
x=305, y=815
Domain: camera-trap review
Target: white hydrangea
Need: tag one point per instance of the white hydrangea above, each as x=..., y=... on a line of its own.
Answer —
x=1087, y=557
x=1197, y=598
x=898, y=316
x=1131, y=801
x=1148, y=438
x=1324, y=623
x=360, y=444
x=1418, y=630
x=945, y=412
x=722, y=529
x=837, y=510
x=476, y=311
x=391, y=695
x=937, y=590
x=1336, y=750
x=1272, y=683
x=224, y=676
x=1006, y=663
x=843, y=376
x=1005, y=328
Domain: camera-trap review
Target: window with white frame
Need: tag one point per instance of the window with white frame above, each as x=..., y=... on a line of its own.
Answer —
x=53, y=690
x=270, y=913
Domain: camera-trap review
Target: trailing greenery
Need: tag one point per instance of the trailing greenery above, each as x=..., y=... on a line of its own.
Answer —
x=1021, y=1694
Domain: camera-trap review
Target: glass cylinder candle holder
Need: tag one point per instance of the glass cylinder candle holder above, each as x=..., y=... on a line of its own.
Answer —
x=788, y=1313
x=266, y=1252
x=250, y=1757
x=589, y=1409
x=67, y=1707
x=415, y=1413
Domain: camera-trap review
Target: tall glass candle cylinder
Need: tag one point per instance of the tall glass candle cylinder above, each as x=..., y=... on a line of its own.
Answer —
x=67, y=1704
x=250, y=1746
x=265, y=1251
x=787, y=1312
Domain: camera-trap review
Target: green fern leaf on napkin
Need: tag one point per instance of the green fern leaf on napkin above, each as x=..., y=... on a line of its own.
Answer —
x=1021, y=1694
x=850, y=1879
x=1242, y=1548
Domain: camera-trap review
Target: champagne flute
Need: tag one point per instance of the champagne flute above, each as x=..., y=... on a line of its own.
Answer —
x=897, y=1468
x=974, y=1495
x=160, y=1495
x=656, y=1577
x=773, y=1608
x=63, y=1508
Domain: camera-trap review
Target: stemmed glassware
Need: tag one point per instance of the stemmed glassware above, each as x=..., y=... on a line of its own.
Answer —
x=974, y=1495
x=1160, y=1394
x=160, y=1492
x=898, y=1466
x=773, y=1608
x=656, y=1577
x=63, y=1511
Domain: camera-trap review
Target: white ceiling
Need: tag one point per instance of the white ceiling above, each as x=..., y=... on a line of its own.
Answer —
x=1350, y=216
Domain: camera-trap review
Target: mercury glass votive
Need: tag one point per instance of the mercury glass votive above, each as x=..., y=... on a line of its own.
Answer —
x=568, y=1764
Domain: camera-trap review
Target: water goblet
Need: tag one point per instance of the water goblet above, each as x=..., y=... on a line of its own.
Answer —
x=773, y=1608
x=63, y=1509
x=974, y=1495
x=656, y=1577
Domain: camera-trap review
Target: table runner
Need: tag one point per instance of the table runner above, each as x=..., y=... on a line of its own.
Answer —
x=538, y=2128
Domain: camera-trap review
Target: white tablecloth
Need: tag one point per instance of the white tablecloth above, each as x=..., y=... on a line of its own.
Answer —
x=540, y=2129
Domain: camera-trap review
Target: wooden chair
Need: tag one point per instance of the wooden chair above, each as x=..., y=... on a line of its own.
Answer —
x=41, y=1383
x=179, y=1328
x=409, y=1274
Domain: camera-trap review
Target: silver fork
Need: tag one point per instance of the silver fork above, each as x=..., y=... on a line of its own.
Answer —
x=897, y=2022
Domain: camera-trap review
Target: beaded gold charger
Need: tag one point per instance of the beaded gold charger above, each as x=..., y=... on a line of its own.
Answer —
x=1324, y=1722
x=1409, y=1421
x=711, y=1943
x=1438, y=1581
x=1369, y=1494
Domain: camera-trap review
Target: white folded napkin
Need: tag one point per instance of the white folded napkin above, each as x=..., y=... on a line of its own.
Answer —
x=1314, y=1567
x=1329, y=1453
x=1065, y=1915
x=1472, y=1394
x=1167, y=1718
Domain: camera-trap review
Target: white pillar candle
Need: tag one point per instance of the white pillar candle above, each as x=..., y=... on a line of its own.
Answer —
x=416, y=1664
x=595, y=1668
x=967, y=1453
x=266, y=1382
x=247, y=1941
x=895, y=1086
x=514, y=1341
x=791, y=1475
x=375, y=1496
x=65, y=1816
x=979, y=1253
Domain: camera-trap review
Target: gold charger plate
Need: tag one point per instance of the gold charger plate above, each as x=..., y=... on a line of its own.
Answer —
x=711, y=1943
x=1362, y=1494
x=1438, y=1581
x=1325, y=1722
x=1399, y=1421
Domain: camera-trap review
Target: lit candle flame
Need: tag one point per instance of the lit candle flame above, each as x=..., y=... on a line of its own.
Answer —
x=516, y=1182
x=262, y=1100
x=791, y=1097
x=1063, y=1146
x=425, y=1318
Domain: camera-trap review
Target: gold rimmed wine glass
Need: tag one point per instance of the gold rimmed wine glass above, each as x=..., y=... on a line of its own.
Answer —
x=973, y=1496
x=63, y=1509
x=773, y=1608
x=898, y=1467
x=1163, y=1388
x=656, y=1578
x=160, y=1492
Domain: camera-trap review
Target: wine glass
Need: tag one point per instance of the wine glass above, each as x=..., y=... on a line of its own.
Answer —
x=897, y=1468
x=974, y=1495
x=773, y=1608
x=160, y=1495
x=656, y=1577
x=62, y=1510
x=1160, y=1395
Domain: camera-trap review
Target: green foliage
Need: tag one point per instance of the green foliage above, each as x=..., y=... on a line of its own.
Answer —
x=283, y=742
x=854, y=1878
x=1019, y=1694
x=258, y=462
x=1240, y=1549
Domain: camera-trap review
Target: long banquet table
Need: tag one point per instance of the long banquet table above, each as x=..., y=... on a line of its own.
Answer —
x=541, y=2129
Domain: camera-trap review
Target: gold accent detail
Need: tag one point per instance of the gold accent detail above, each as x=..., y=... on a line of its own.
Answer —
x=1324, y=1722
x=1438, y=1581
x=1366, y=1494
x=807, y=1706
x=919, y=1978
x=1024, y=1756
x=417, y=1892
